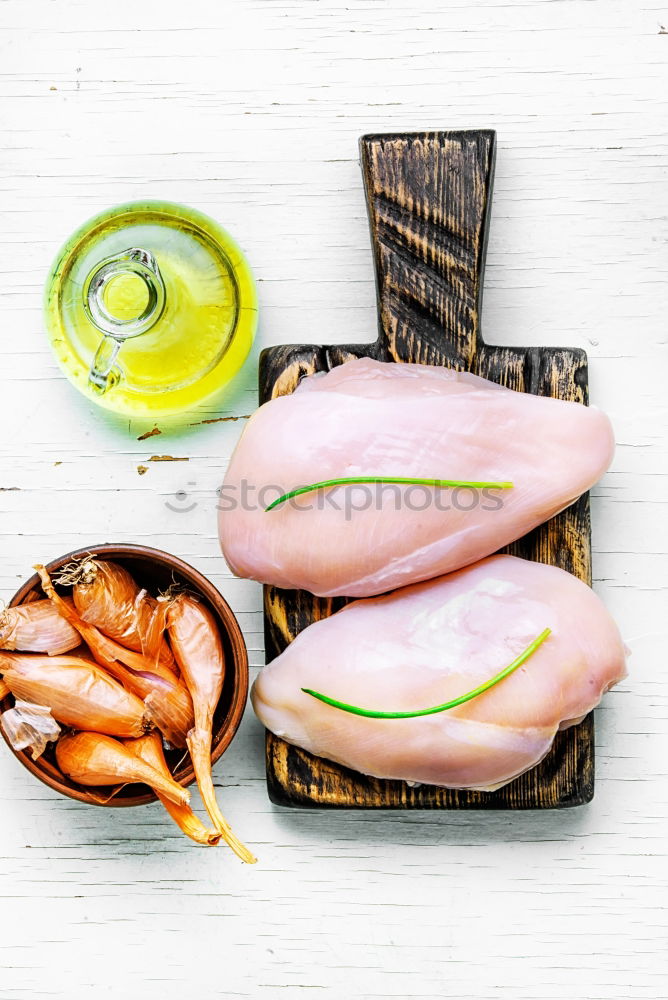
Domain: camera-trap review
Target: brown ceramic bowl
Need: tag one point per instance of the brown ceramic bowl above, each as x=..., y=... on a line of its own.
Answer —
x=154, y=570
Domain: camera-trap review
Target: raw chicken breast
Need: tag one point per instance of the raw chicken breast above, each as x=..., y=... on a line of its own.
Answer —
x=429, y=643
x=377, y=419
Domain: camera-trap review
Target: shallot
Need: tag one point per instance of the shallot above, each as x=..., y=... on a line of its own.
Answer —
x=36, y=627
x=198, y=649
x=77, y=691
x=93, y=759
x=106, y=595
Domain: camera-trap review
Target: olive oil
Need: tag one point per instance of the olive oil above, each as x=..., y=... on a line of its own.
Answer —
x=150, y=308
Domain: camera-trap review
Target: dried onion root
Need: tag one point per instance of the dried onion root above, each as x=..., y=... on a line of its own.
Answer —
x=93, y=759
x=36, y=627
x=107, y=596
x=149, y=749
x=199, y=653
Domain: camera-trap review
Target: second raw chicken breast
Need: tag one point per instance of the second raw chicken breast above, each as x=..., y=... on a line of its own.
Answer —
x=369, y=418
x=433, y=642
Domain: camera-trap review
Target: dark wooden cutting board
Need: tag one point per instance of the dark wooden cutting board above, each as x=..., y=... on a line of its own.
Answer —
x=429, y=197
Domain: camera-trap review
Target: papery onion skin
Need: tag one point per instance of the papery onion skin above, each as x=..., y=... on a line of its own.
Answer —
x=171, y=710
x=28, y=726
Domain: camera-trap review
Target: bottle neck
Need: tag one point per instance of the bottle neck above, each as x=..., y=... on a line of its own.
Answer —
x=116, y=329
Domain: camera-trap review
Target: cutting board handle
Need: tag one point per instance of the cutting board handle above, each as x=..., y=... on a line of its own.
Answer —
x=428, y=197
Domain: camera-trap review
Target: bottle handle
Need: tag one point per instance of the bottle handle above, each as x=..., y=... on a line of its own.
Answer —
x=103, y=374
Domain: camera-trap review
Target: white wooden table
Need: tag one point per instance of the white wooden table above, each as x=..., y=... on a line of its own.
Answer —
x=250, y=111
